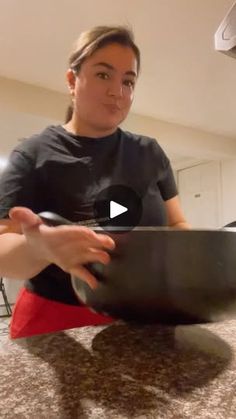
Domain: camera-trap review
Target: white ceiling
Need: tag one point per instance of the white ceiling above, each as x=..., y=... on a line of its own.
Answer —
x=183, y=79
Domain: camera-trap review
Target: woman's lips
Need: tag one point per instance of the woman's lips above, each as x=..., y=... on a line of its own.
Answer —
x=112, y=108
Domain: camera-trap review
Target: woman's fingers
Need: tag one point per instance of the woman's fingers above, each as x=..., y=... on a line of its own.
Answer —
x=94, y=239
x=82, y=273
x=82, y=257
x=94, y=255
x=106, y=241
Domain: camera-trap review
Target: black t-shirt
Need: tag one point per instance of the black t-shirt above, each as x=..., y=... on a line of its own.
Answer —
x=63, y=173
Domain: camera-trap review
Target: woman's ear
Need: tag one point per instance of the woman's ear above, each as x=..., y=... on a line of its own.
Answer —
x=71, y=77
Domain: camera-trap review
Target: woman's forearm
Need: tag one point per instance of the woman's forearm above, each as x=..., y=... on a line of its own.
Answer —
x=17, y=259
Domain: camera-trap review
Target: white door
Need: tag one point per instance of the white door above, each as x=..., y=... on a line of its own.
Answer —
x=200, y=194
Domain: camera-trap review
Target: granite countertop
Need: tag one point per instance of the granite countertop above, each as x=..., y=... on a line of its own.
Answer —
x=121, y=371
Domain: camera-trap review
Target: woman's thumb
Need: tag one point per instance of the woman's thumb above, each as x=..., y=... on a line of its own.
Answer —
x=25, y=217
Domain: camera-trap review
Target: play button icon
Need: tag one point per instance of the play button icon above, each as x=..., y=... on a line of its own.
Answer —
x=118, y=207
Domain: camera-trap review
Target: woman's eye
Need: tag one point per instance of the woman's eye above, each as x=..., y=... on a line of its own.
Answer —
x=103, y=76
x=129, y=83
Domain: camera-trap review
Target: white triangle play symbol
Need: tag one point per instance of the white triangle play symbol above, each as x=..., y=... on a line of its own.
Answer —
x=116, y=209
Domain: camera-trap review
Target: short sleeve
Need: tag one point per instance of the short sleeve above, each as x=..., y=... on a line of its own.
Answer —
x=166, y=181
x=17, y=183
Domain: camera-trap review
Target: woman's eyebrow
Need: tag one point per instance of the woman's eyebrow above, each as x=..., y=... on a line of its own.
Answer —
x=110, y=67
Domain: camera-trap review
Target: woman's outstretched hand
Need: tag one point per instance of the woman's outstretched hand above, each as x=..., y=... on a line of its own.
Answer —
x=68, y=246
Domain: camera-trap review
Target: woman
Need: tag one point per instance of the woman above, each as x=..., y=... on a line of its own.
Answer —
x=63, y=169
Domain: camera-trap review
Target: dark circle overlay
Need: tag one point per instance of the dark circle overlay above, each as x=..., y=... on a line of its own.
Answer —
x=122, y=195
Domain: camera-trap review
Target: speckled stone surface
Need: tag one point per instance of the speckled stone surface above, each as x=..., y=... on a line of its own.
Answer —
x=121, y=371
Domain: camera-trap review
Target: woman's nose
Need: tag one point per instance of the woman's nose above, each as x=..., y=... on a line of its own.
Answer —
x=116, y=90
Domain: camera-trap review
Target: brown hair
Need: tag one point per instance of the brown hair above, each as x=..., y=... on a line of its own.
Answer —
x=94, y=39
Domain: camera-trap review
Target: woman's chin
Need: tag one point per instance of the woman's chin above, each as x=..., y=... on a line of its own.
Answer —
x=109, y=126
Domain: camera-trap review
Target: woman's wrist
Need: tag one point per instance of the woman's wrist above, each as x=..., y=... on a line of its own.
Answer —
x=18, y=259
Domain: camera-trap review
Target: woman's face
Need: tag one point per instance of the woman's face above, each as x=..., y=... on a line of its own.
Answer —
x=103, y=89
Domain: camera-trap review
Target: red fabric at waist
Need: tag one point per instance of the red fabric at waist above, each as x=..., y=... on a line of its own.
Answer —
x=34, y=315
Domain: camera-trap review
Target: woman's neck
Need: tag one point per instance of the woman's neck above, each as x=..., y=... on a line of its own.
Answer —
x=83, y=130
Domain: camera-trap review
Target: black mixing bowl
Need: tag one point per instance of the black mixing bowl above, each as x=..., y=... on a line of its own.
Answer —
x=165, y=275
